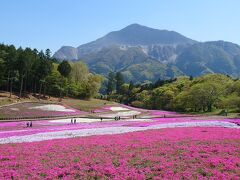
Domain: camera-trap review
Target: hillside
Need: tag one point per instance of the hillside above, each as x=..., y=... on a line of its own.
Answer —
x=210, y=57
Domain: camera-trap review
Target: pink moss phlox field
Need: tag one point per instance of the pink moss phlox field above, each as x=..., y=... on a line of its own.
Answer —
x=43, y=126
x=190, y=119
x=8, y=129
x=180, y=153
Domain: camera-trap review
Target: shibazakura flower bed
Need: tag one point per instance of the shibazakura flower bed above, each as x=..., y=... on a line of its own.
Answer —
x=187, y=153
x=24, y=110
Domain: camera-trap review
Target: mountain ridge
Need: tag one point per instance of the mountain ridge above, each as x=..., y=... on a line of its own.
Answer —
x=132, y=35
x=142, y=53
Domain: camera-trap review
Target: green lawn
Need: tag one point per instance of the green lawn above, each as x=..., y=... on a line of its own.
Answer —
x=5, y=101
x=232, y=113
x=86, y=105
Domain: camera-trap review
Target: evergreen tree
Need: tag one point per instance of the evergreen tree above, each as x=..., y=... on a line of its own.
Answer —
x=48, y=54
x=64, y=68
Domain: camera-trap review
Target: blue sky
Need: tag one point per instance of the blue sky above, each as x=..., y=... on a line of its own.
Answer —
x=50, y=24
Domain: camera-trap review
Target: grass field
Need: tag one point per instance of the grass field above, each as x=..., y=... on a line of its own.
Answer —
x=86, y=105
x=18, y=108
x=5, y=101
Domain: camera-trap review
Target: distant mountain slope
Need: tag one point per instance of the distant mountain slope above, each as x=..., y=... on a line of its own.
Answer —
x=150, y=70
x=66, y=52
x=143, y=53
x=210, y=57
x=132, y=62
x=114, y=59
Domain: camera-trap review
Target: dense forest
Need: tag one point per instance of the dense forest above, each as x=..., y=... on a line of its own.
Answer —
x=186, y=94
x=24, y=71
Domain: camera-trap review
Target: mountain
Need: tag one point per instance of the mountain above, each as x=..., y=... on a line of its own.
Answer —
x=132, y=62
x=67, y=52
x=154, y=42
x=210, y=57
x=142, y=53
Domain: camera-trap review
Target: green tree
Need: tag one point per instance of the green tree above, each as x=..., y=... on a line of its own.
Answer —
x=48, y=53
x=44, y=69
x=79, y=72
x=22, y=67
x=64, y=68
x=111, y=83
x=162, y=97
x=119, y=82
x=93, y=85
x=204, y=95
x=10, y=64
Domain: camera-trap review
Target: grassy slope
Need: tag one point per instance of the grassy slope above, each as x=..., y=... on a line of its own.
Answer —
x=84, y=105
x=5, y=101
x=231, y=113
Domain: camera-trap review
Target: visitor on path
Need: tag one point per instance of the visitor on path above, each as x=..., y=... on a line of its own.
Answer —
x=119, y=118
x=30, y=124
x=115, y=118
x=27, y=124
x=101, y=119
x=75, y=121
x=71, y=120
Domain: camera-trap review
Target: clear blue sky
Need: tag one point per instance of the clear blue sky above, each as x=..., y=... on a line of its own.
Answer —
x=53, y=23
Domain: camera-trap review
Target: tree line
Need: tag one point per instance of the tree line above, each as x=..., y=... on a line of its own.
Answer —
x=24, y=71
x=185, y=94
